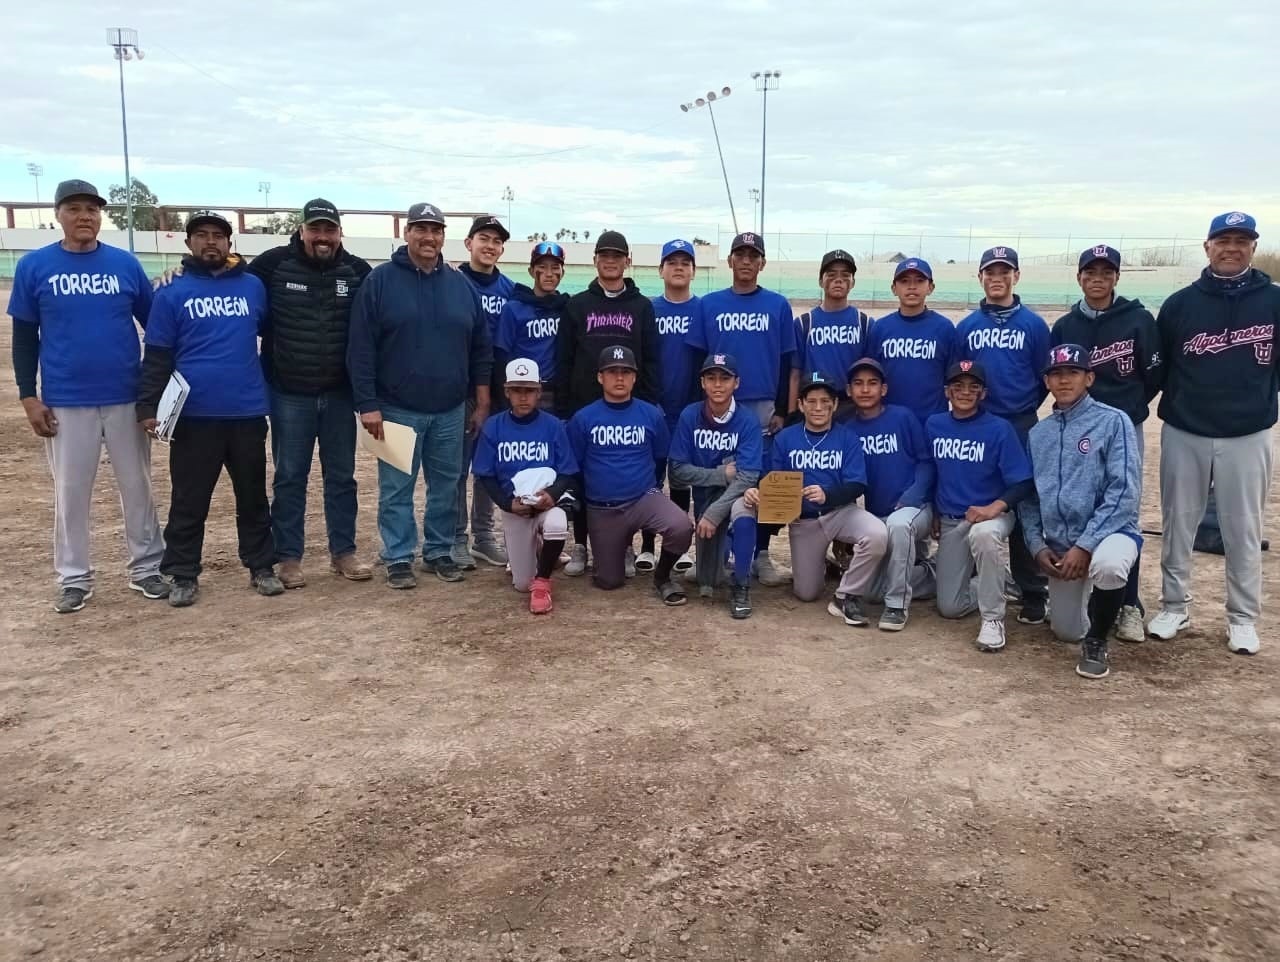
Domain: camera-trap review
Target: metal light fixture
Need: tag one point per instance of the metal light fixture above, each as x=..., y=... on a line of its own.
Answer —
x=765, y=81
x=707, y=101
x=124, y=41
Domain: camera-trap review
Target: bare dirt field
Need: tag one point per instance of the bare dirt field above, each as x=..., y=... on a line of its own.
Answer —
x=349, y=773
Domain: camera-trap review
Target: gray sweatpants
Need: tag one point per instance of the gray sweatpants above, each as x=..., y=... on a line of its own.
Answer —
x=481, y=514
x=524, y=537
x=74, y=454
x=971, y=564
x=611, y=530
x=1240, y=471
x=900, y=579
x=1069, y=600
x=810, y=538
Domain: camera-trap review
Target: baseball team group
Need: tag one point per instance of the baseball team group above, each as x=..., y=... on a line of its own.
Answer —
x=551, y=429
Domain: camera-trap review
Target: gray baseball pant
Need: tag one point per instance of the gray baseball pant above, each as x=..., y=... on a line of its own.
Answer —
x=900, y=579
x=1240, y=471
x=612, y=528
x=810, y=538
x=481, y=515
x=971, y=563
x=524, y=537
x=1069, y=600
x=74, y=453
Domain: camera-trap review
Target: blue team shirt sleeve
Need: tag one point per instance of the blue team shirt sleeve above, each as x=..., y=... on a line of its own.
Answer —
x=484, y=463
x=1040, y=344
x=790, y=335
x=680, y=449
x=750, y=456
x=661, y=435
x=798, y=357
x=920, y=491
x=853, y=469
x=562, y=452
x=23, y=305
x=577, y=438
x=1015, y=465
x=143, y=296
x=162, y=325
x=697, y=336
x=504, y=338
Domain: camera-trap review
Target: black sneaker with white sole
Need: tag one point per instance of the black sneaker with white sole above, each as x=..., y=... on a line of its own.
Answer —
x=1093, y=659
x=740, y=602
x=851, y=610
x=443, y=568
x=893, y=619
x=152, y=587
x=1034, y=610
x=71, y=600
x=400, y=576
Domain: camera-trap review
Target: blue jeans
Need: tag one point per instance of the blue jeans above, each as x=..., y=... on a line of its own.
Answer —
x=438, y=452
x=298, y=421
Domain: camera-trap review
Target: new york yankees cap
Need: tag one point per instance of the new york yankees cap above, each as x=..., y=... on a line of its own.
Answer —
x=720, y=362
x=967, y=369
x=1100, y=252
x=1233, y=221
x=837, y=257
x=677, y=246
x=523, y=372
x=817, y=379
x=77, y=188
x=1067, y=355
x=998, y=255
x=320, y=209
x=917, y=264
x=424, y=213
x=748, y=239
x=617, y=356
x=489, y=222
x=201, y=217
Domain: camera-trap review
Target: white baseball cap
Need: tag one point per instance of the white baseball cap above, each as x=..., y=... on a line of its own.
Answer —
x=523, y=371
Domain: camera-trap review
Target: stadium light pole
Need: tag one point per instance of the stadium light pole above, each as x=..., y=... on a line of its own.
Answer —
x=765, y=81
x=755, y=212
x=508, y=195
x=36, y=171
x=264, y=188
x=124, y=41
x=707, y=101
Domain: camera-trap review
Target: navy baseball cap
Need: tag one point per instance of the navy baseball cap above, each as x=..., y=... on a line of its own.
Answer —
x=837, y=257
x=748, y=239
x=489, y=222
x=612, y=240
x=1100, y=252
x=424, y=213
x=1233, y=221
x=77, y=188
x=677, y=246
x=917, y=264
x=201, y=217
x=998, y=255
x=320, y=209
x=1067, y=355
x=967, y=369
x=815, y=379
x=720, y=362
x=617, y=356
x=869, y=363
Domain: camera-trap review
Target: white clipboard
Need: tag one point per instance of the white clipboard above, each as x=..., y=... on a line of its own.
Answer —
x=396, y=446
x=170, y=406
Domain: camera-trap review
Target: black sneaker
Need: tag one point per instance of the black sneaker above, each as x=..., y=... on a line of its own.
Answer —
x=740, y=602
x=71, y=600
x=183, y=592
x=152, y=587
x=443, y=568
x=266, y=583
x=1093, y=659
x=851, y=608
x=1034, y=610
x=400, y=575
x=893, y=619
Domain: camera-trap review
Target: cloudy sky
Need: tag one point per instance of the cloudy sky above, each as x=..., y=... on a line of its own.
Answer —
x=1090, y=119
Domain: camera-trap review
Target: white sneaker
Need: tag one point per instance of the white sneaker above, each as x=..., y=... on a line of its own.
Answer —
x=767, y=573
x=1242, y=639
x=646, y=561
x=1129, y=625
x=991, y=636
x=1167, y=624
x=683, y=563
x=577, y=566
x=629, y=563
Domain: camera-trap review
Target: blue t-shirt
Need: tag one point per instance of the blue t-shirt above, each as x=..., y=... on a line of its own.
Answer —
x=674, y=323
x=830, y=459
x=1013, y=352
x=977, y=459
x=508, y=445
x=702, y=442
x=915, y=353
x=212, y=325
x=833, y=344
x=618, y=447
x=758, y=329
x=84, y=305
x=898, y=458
x=529, y=330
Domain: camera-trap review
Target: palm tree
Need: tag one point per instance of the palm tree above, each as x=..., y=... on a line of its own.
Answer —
x=573, y=236
x=586, y=235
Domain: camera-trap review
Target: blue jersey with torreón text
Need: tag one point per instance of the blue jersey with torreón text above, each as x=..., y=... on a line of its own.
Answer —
x=1011, y=344
x=758, y=329
x=834, y=341
x=915, y=353
x=508, y=445
x=674, y=323
x=829, y=459
x=617, y=447
x=705, y=443
x=976, y=459
x=898, y=458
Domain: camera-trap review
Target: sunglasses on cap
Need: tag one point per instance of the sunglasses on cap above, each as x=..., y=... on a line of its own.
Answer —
x=547, y=249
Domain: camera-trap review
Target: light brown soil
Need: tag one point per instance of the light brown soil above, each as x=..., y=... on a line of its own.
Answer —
x=347, y=773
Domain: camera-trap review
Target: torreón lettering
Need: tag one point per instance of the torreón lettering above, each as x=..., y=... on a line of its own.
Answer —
x=226, y=306
x=1003, y=338
x=542, y=327
x=880, y=444
x=959, y=449
x=62, y=284
x=816, y=460
x=515, y=451
x=628, y=434
x=705, y=439
x=919, y=348
x=742, y=321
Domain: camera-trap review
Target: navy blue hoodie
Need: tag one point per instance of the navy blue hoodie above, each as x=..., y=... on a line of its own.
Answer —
x=527, y=328
x=1124, y=349
x=417, y=338
x=1219, y=339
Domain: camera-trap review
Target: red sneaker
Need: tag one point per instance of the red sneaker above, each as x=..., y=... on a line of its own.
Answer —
x=540, y=596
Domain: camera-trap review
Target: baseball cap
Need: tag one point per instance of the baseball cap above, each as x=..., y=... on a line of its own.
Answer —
x=424, y=213
x=617, y=356
x=1100, y=252
x=208, y=217
x=748, y=239
x=720, y=362
x=77, y=188
x=677, y=247
x=546, y=249
x=522, y=370
x=917, y=264
x=1235, y=220
x=967, y=368
x=1067, y=355
x=869, y=363
x=813, y=379
x=836, y=257
x=320, y=209
x=489, y=222
x=612, y=240
x=998, y=255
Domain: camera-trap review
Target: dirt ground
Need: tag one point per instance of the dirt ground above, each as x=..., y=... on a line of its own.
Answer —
x=349, y=773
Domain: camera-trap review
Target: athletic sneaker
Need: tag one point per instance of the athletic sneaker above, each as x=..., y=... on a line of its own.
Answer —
x=266, y=583
x=704, y=591
x=629, y=563
x=683, y=563
x=991, y=636
x=1093, y=659
x=1167, y=624
x=646, y=561
x=71, y=600
x=1242, y=639
x=740, y=602
x=893, y=619
x=152, y=587
x=1034, y=610
x=491, y=552
x=849, y=608
x=577, y=566
x=1129, y=624
x=540, y=596
x=444, y=568
x=461, y=556
x=767, y=573
x=400, y=575
x=184, y=592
